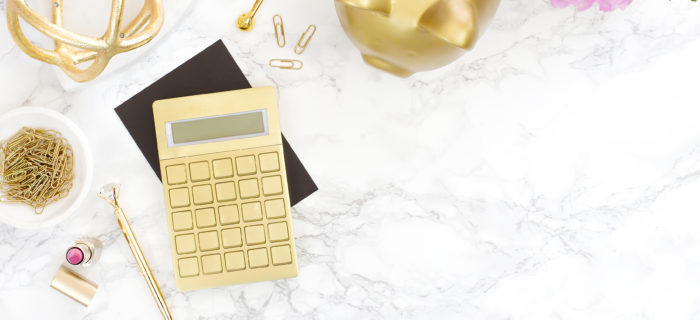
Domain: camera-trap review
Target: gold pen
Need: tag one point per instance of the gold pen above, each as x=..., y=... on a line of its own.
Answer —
x=110, y=193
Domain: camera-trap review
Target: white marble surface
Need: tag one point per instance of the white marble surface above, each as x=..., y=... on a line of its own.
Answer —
x=552, y=173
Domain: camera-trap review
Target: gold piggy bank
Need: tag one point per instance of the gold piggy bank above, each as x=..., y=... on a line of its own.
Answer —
x=407, y=36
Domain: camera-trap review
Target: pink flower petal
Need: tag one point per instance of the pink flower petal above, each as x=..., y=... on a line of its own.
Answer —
x=604, y=5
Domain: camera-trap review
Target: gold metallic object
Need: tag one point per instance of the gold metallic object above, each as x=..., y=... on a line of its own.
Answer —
x=407, y=36
x=225, y=188
x=304, y=39
x=72, y=49
x=36, y=168
x=246, y=21
x=110, y=193
x=286, y=64
x=74, y=286
x=279, y=30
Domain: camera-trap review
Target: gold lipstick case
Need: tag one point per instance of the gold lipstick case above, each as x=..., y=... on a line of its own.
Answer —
x=74, y=286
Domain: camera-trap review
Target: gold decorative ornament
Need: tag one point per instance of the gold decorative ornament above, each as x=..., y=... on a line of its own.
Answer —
x=246, y=21
x=72, y=49
x=407, y=36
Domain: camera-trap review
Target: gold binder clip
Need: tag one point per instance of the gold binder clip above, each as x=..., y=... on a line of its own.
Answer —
x=279, y=30
x=301, y=45
x=286, y=64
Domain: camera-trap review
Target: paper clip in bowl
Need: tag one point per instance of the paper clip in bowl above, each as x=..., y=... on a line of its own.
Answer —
x=279, y=30
x=305, y=38
x=286, y=64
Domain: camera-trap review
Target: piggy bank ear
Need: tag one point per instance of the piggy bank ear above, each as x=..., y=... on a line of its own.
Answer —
x=453, y=21
x=383, y=6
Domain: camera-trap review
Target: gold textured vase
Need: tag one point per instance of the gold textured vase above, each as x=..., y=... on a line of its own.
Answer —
x=407, y=36
x=72, y=49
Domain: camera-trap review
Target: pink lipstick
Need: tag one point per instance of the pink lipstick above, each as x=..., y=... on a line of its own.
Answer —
x=81, y=253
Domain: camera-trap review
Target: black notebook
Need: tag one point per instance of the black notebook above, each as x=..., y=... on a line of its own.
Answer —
x=212, y=70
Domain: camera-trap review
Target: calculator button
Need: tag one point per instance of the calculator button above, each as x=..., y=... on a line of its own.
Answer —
x=188, y=267
x=245, y=165
x=281, y=255
x=223, y=168
x=208, y=240
x=176, y=174
x=258, y=258
x=272, y=185
x=275, y=209
x=205, y=217
x=199, y=171
x=249, y=188
x=202, y=194
x=211, y=264
x=269, y=162
x=228, y=214
x=182, y=220
x=226, y=191
x=231, y=238
x=234, y=261
x=185, y=243
x=179, y=198
x=254, y=235
x=252, y=211
x=278, y=231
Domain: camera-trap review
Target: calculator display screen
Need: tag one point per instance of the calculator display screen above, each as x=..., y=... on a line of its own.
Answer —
x=217, y=128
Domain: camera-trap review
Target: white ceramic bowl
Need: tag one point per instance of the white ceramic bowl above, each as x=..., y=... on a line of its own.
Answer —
x=23, y=216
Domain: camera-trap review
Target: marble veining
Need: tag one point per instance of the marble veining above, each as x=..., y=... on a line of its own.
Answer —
x=551, y=173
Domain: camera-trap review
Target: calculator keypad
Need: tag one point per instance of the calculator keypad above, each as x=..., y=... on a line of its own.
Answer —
x=269, y=162
x=176, y=174
x=229, y=217
x=179, y=197
x=223, y=168
x=205, y=217
x=188, y=267
x=185, y=243
x=226, y=191
x=199, y=171
x=249, y=188
x=211, y=264
x=252, y=211
x=228, y=214
x=275, y=209
x=235, y=261
x=182, y=220
x=202, y=194
x=245, y=165
x=272, y=186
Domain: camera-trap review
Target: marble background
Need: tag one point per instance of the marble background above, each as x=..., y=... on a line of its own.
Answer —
x=551, y=173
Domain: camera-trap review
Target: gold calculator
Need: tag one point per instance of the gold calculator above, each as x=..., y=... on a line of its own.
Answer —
x=225, y=185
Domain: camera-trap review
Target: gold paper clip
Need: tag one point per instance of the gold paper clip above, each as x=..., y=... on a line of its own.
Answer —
x=301, y=45
x=286, y=64
x=279, y=30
